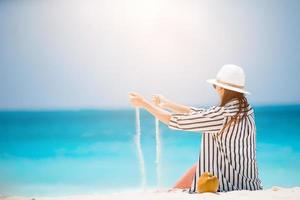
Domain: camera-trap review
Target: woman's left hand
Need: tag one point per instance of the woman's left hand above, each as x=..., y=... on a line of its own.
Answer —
x=136, y=99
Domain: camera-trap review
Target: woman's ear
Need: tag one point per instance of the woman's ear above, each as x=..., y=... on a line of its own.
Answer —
x=221, y=91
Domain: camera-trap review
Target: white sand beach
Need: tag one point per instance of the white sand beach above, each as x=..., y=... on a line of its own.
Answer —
x=274, y=193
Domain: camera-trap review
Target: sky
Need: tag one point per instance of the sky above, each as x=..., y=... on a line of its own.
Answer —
x=91, y=53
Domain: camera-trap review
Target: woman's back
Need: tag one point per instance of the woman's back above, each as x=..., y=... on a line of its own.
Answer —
x=227, y=152
x=237, y=145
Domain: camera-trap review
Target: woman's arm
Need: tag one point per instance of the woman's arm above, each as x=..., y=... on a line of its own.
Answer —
x=138, y=101
x=176, y=107
x=162, y=115
x=164, y=103
x=210, y=120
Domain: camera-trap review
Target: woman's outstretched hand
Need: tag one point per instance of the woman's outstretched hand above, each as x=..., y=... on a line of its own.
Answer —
x=136, y=99
x=159, y=100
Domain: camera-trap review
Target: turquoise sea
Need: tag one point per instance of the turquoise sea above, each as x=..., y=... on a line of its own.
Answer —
x=93, y=151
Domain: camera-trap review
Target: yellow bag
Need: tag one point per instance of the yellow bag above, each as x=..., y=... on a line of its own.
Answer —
x=207, y=182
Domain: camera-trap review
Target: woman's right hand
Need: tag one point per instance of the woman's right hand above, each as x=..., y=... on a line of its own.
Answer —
x=136, y=99
x=159, y=100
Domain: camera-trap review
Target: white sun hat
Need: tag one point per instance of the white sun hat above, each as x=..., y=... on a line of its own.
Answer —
x=231, y=77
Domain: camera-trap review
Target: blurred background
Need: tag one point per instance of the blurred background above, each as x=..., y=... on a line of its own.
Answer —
x=66, y=67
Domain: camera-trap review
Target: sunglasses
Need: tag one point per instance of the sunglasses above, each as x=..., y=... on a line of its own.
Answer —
x=214, y=86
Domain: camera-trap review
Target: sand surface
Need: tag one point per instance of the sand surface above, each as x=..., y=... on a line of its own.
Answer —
x=273, y=193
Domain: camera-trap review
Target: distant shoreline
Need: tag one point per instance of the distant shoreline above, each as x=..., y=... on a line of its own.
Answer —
x=83, y=109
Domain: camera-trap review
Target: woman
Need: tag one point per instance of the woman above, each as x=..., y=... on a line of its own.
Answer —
x=228, y=133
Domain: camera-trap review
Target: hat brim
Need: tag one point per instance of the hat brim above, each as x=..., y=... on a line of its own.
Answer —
x=214, y=81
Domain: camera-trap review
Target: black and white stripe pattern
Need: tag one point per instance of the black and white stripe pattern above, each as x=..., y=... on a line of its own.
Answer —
x=230, y=156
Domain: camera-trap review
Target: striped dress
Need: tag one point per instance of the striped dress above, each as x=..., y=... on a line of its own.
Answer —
x=230, y=156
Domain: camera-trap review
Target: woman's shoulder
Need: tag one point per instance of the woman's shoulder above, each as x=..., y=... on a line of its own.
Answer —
x=232, y=107
x=207, y=110
x=229, y=109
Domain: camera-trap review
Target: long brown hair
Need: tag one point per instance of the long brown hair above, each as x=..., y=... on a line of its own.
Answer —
x=242, y=107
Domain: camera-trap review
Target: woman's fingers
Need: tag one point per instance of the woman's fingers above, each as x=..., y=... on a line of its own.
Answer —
x=133, y=94
x=156, y=99
x=159, y=100
x=137, y=100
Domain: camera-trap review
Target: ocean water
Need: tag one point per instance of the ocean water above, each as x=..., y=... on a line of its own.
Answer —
x=93, y=151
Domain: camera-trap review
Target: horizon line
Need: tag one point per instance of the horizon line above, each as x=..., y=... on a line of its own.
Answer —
x=86, y=108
